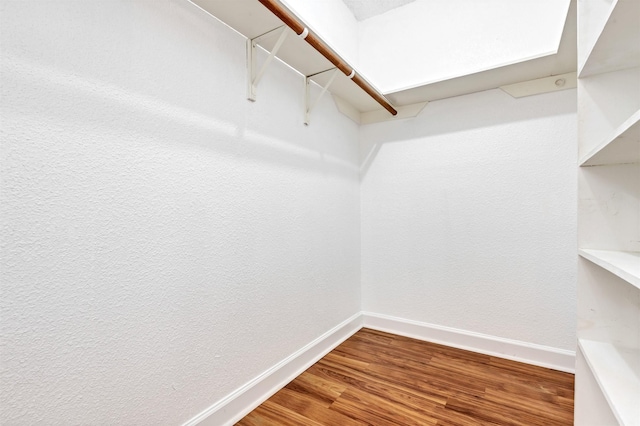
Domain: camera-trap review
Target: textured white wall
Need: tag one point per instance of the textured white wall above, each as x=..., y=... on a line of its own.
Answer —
x=164, y=240
x=432, y=40
x=468, y=216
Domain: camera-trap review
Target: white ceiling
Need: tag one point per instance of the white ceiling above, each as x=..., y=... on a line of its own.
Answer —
x=363, y=9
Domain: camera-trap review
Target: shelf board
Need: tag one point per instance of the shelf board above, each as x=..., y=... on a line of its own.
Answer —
x=618, y=44
x=617, y=371
x=624, y=264
x=622, y=147
x=252, y=19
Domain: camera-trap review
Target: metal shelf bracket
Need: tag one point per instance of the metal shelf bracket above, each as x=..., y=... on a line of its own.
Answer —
x=254, y=75
x=308, y=104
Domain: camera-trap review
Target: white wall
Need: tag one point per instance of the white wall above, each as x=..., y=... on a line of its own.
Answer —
x=164, y=240
x=468, y=216
x=428, y=41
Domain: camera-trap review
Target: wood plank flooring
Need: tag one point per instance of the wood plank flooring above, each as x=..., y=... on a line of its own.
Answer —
x=376, y=378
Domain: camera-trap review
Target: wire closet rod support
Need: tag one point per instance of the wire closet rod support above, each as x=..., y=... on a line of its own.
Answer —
x=308, y=104
x=299, y=28
x=254, y=74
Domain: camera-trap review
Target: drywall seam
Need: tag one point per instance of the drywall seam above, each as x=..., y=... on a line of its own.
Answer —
x=529, y=353
x=236, y=405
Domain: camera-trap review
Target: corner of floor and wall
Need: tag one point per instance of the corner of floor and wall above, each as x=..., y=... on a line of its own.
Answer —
x=172, y=253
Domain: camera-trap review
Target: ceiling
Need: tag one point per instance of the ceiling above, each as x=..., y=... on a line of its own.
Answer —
x=363, y=9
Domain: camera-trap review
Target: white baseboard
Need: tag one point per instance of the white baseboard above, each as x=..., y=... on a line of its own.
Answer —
x=530, y=353
x=239, y=403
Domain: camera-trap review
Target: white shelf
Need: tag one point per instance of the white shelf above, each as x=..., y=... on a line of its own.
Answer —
x=618, y=45
x=624, y=264
x=252, y=19
x=617, y=371
x=622, y=147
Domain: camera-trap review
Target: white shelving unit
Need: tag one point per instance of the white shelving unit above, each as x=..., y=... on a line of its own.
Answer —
x=608, y=361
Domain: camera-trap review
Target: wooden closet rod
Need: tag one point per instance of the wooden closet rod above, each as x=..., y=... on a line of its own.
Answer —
x=299, y=28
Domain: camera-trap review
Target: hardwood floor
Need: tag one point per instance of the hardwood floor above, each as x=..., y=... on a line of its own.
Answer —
x=376, y=378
